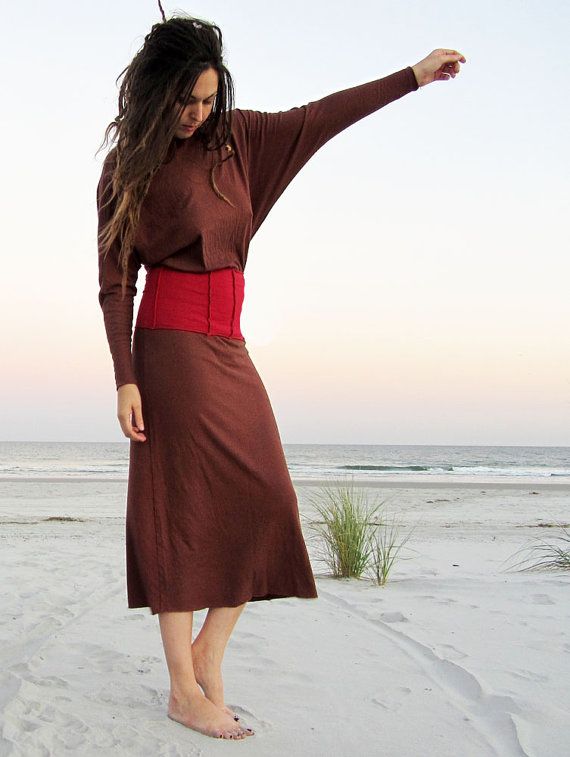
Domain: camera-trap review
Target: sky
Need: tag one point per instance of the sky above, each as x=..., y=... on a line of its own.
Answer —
x=424, y=295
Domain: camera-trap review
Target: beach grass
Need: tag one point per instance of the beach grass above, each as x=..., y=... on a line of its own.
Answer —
x=344, y=528
x=353, y=539
x=385, y=549
x=546, y=554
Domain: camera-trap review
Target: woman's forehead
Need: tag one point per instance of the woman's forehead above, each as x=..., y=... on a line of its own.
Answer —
x=206, y=84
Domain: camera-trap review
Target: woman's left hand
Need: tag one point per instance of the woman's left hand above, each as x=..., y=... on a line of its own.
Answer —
x=441, y=64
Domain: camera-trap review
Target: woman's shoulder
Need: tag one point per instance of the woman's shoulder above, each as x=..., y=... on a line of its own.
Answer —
x=108, y=165
x=240, y=126
x=111, y=158
x=242, y=117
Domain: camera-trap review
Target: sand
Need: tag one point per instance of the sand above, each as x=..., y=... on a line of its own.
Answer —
x=454, y=656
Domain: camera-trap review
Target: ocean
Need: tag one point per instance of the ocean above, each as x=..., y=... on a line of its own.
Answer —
x=102, y=461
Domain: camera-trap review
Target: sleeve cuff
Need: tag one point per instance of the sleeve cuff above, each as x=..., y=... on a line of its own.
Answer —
x=413, y=81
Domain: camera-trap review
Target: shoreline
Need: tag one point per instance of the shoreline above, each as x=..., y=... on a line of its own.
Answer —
x=388, y=483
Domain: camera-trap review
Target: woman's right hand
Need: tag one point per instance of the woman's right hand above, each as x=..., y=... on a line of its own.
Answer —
x=129, y=412
x=439, y=65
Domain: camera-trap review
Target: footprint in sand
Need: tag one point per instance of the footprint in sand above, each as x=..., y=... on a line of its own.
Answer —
x=247, y=636
x=449, y=652
x=542, y=599
x=100, y=659
x=528, y=675
x=122, y=694
x=393, y=617
x=395, y=703
x=50, y=682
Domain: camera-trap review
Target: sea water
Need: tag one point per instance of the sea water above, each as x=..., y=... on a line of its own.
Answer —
x=88, y=480
x=105, y=461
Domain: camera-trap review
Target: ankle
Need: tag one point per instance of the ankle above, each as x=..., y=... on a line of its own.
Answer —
x=181, y=692
x=206, y=655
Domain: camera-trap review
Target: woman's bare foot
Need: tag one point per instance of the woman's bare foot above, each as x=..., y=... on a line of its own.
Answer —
x=208, y=675
x=194, y=710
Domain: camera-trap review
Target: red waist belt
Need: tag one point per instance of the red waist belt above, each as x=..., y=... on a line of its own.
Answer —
x=209, y=302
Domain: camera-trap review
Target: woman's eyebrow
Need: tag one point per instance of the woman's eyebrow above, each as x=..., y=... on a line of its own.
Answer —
x=205, y=98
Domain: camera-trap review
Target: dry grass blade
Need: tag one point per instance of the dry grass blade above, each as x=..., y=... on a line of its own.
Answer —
x=545, y=555
x=385, y=550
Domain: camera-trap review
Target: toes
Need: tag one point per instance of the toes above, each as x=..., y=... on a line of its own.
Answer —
x=231, y=734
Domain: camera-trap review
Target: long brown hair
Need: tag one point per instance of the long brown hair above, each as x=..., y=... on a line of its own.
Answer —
x=156, y=85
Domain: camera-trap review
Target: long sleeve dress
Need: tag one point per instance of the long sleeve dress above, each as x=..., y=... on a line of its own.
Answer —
x=212, y=517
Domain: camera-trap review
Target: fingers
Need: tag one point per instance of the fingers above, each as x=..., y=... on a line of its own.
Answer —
x=452, y=69
x=130, y=414
x=448, y=63
x=129, y=430
x=452, y=55
x=137, y=412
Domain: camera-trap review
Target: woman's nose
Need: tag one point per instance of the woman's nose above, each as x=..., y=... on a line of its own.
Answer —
x=195, y=113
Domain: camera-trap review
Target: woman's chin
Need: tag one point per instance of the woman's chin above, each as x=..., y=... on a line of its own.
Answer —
x=184, y=132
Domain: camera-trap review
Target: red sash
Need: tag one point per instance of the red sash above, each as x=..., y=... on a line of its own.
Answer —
x=209, y=302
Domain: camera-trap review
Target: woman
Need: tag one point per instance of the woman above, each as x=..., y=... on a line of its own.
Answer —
x=212, y=516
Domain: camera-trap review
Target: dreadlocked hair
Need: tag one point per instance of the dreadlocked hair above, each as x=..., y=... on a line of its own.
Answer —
x=156, y=84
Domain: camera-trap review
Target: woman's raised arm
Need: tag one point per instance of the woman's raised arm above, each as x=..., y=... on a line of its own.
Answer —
x=279, y=144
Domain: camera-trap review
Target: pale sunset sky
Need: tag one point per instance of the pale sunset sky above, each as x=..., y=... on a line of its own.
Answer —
x=410, y=286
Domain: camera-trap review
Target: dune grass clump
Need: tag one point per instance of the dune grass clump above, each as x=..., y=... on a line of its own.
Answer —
x=546, y=555
x=385, y=550
x=344, y=528
x=354, y=539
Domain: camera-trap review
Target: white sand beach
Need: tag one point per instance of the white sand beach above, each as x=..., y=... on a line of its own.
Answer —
x=454, y=656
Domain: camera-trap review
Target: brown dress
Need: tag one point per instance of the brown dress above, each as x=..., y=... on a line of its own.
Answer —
x=212, y=517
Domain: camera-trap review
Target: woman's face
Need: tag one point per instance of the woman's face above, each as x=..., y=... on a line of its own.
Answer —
x=199, y=105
